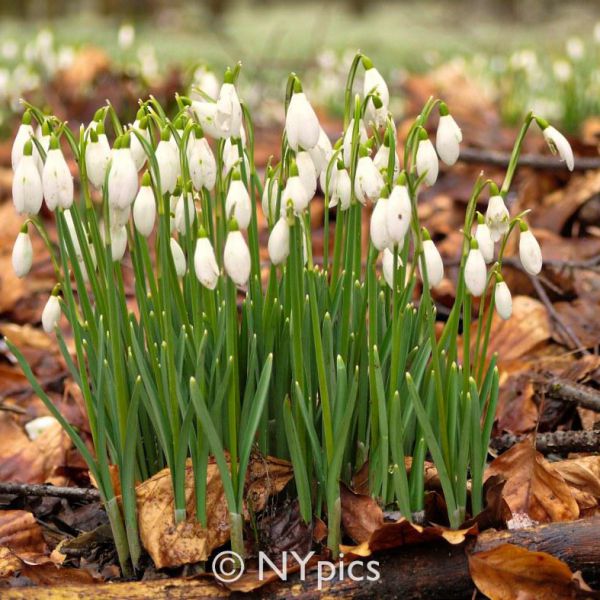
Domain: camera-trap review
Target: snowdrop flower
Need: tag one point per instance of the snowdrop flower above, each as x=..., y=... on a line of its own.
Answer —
x=24, y=134
x=126, y=36
x=321, y=153
x=123, y=176
x=347, y=142
x=398, y=213
x=186, y=201
x=228, y=115
x=44, y=135
x=502, y=299
x=575, y=48
x=374, y=83
x=301, y=123
x=433, y=261
x=231, y=156
x=237, y=202
x=167, y=158
x=388, y=266
x=73, y=233
x=57, y=181
x=269, y=195
x=36, y=427
x=427, y=160
x=484, y=239
x=119, y=216
x=497, y=215
x=236, y=256
x=294, y=192
x=557, y=142
x=51, y=313
x=97, y=156
x=368, y=182
x=178, y=258
x=382, y=156
x=342, y=190
x=27, y=191
x=118, y=240
x=307, y=173
x=144, y=207
x=448, y=137
x=206, y=114
x=530, y=252
x=22, y=254
x=202, y=163
x=378, y=227
x=206, y=81
x=140, y=125
x=279, y=242
x=205, y=262
x=475, y=270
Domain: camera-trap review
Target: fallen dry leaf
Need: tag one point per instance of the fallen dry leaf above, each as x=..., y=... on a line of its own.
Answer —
x=20, y=532
x=361, y=514
x=583, y=476
x=533, y=486
x=510, y=572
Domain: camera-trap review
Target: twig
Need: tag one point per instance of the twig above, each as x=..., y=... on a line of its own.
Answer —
x=536, y=161
x=43, y=490
x=570, y=391
x=559, y=442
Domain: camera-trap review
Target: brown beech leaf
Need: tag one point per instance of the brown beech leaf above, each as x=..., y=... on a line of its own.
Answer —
x=510, y=572
x=583, y=476
x=533, y=486
x=172, y=545
x=20, y=532
x=361, y=514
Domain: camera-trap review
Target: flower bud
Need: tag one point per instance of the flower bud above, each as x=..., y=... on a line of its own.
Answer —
x=503, y=300
x=118, y=240
x=22, y=254
x=167, y=158
x=485, y=242
x=342, y=190
x=228, y=117
x=497, y=217
x=206, y=113
x=137, y=150
x=307, y=173
x=558, y=144
x=144, y=208
x=205, y=263
x=238, y=203
x=475, y=271
x=295, y=192
x=448, y=138
x=382, y=159
x=378, y=228
x=375, y=84
x=347, y=142
x=321, y=153
x=202, y=163
x=27, y=184
x=236, y=258
x=368, y=182
x=388, y=266
x=530, y=252
x=279, y=242
x=231, y=157
x=398, y=214
x=178, y=258
x=185, y=201
x=24, y=134
x=51, y=314
x=433, y=262
x=97, y=157
x=122, y=178
x=57, y=181
x=301, y=123
x=427, y=161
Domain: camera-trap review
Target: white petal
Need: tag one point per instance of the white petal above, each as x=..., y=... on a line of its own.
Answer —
x=236, y=258
x=279, y=242
x=530, y=253
x=503, y=300
x=51, y=314
x=475, y=272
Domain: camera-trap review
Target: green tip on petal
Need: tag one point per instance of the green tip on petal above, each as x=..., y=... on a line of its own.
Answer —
x=523, y=226
x=494, y=191
x=297, y=86
x=385, y=192
x=426, y=235
x=401, y=178
x=202, y=233
x=165, y=134
x=54, y=145
x=46, y=129
x=542, y=123
x=474, y=244
x=293, y=169
x=56, y=290
x=93, y=136
x=28, y=148
x=367, y=62
x=146, y=179
x=377, y=102
x=443, y=108
x=118, y=143
x=423, y=134
x=24, y=228
x=198, y=131
x=143, y=123
x=126, y=140
x=363, y=150
x=100, y=128
x=233, y=225
x=480, y=218
x=141, y=113
x=499, y=278
x=340, y=165
x=26, y=120
x=228, y=77
x=99, y=114
x=235, y=176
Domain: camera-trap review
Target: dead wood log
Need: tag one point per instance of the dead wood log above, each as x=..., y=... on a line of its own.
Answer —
x=42, y=490
x=558, y=442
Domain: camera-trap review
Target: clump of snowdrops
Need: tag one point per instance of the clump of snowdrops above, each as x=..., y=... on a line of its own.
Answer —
x=328, y=363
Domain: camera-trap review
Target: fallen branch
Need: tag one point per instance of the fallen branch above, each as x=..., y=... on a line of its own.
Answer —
x=43, y=490
x=559, y=442
x=569, y=391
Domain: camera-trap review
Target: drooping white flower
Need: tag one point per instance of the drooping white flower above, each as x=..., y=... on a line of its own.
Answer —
x=427, y=160
x=295, y=192
x=269, y=196
x=238, y=203
x=205, y=263
x=229, y=110
x=497, y=217
x=144, y=207
x=307, y=173
x=342, y=191
x=475, y=271
x=119, y=216
x=24, y=134
x=231, y=156
x=503, y=300
x=485, y=241
x=448, y=137
x=558, y=143
x=388, y=266
x=51, y=314
x=185, y=201
x=368, y=182
x=57, y=181
x=347, y=142
x=530, y=252
x=118, y=240
x=279, y=242
x=378, y=226
x=206, y=114
x=140, y=126
x=97, y=156
x=398, y=214
x=123, y=176
x=382, y=159
x=202, y=163
x=301, y=123
x=22, y=254
x=73, y=233
x=321, y=153
x=169, y=167
x=433, y=262
x=27, y=189
x=178, y=258
x=236, y=258
x=374, y=83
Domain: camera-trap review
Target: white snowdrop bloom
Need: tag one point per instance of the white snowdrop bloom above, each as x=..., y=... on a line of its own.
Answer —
x=427, y=160
x=27, y=190
x=378, y=226
x=73, y=233
x=562, y=70
x=206, y=114
x=173, y=202
x=382, y=159
x=398, y=214
x=433, y=262
x=24, y=134
x=231, y=157
x=448, y=137
x=388, y=266
x=279, y=242
x=138, y=153
x=503, y=300
x=368, y=182
x=206, y=81
x=51, y=314
x=126, y=36
x=228, y=116
x=301, y=123
x=178, y=258
x=57, y=181
x=169, y=168
x=307, y=173
x=236, y=258
x=294, y=191
x=342, y=191
x=475, y=271
x=36, y=427
x=530, y=252
x=269, y=196
x=22, y=254
x=575, y=48
x=118, y=240
x=238, y=203
x=119, y=216
x=321, y=153
x=497, y=217
x=144, y=208
x=122, y=176
x=185, y=201
x=347, y=142
x=202, y=164
x=205, y=263
x=375, y=83
x=485, y=242
x=332, y=177
x=97, y=156
x=558, y=144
